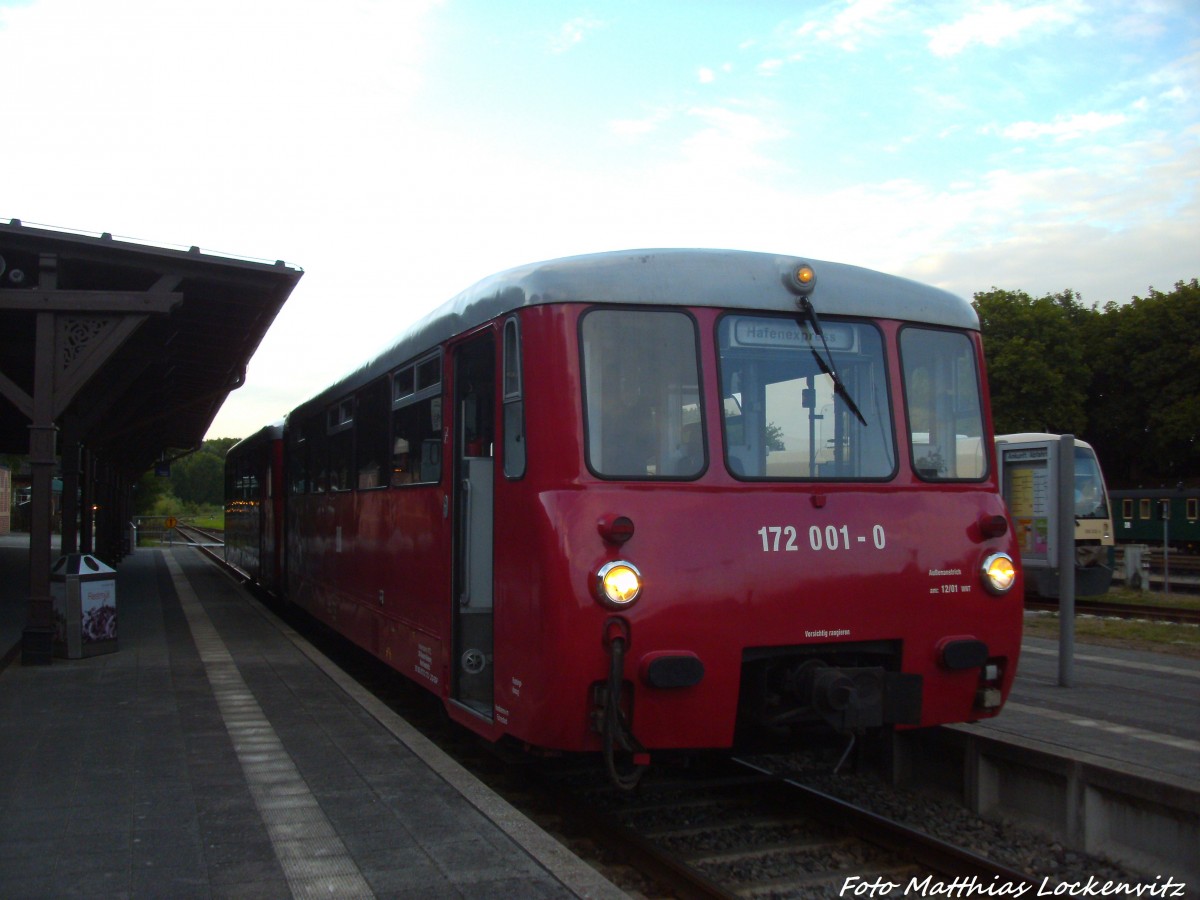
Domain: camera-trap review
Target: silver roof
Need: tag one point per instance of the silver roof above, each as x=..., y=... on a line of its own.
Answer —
x=726, y=279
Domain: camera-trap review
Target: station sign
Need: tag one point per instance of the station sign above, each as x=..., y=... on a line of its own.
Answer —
x=1029, y=474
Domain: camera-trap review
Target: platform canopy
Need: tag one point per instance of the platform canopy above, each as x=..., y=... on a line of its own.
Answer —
x=114, y=355
x=148, y=341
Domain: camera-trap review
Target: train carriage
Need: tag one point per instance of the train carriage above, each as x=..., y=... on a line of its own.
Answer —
x=254, y=507
x=1155, y=516
x=639, y=501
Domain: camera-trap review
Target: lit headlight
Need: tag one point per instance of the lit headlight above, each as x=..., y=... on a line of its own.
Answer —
x=618, y=584
x=999, y=573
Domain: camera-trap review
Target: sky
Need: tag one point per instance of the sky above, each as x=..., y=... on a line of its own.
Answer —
x=400, y=150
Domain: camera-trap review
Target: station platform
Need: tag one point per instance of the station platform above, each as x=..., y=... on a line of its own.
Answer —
x=215, y=754
x=1134, y=710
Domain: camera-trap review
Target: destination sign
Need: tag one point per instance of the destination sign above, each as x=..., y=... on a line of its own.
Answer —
x=774, y=333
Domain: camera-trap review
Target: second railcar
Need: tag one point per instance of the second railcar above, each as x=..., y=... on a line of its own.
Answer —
x=636, y=501
x=254, y=507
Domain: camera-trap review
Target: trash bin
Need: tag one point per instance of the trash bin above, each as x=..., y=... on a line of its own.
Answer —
x=84, y=591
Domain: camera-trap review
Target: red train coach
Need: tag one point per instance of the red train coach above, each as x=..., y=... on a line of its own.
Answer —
x=254, y=507
x=637, y=501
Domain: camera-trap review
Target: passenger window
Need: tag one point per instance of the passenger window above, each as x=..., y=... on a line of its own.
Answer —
x=642, y=394
x=315, y=446
x=416, y=442
x=371, y=436
x=945, y=412
x=341, y=445
x=514, y=403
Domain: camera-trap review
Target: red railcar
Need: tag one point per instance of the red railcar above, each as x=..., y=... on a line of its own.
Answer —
x=254, y=507
x=637, y=501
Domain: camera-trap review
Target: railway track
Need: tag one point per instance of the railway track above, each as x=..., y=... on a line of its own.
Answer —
x=734, y=829
x=210, y=543
x=1177, y=614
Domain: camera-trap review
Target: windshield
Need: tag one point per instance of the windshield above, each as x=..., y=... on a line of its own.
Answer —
x=783, y=415
x=1090, y=501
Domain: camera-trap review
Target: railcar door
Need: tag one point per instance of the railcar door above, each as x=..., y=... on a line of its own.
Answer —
x=474, y=460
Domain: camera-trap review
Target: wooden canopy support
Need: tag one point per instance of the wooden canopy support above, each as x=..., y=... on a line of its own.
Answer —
x=76, y=333
x=114, y=354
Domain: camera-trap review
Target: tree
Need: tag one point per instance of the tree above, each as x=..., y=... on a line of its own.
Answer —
x=1036, y=365
x=147, y=491
x=199, y=478
x=1146, y=396
x=775, y=437
x=219, y=446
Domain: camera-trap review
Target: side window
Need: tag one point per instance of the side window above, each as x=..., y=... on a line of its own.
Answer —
x=1143, y=509
x=314, y=446
x=341, y=445
x=514, y=402
x=416, y=447
x=371, y=456
x=642, y=394
x=1126, y=509
x=945, y=412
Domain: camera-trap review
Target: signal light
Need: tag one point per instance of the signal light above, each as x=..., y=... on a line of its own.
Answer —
x=801, y=279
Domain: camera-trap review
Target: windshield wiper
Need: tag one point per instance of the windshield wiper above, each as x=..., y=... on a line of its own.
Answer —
x=826, y=365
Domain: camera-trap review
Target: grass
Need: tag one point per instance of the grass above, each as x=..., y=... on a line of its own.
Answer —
x=1138, y=634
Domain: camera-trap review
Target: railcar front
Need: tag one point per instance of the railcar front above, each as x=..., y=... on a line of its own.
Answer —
x=769, y=513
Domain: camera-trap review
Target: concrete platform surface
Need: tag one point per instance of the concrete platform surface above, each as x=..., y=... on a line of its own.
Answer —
x=1132, y=708
x=215, y=755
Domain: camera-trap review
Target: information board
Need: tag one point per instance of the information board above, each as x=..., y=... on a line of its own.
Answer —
x=1029, y=481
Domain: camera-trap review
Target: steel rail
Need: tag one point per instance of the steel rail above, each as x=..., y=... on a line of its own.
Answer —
x=1083, y=606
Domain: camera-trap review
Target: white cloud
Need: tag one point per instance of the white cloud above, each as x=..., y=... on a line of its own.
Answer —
x=638, y=128
x=1064, y=128
x=572, y=33
x=729, y=141
x=996, y=23
x=858, y=18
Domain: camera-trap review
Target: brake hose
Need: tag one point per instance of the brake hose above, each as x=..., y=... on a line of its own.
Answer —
x=616, y=730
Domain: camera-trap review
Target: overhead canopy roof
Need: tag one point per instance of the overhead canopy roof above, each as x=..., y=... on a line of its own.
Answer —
x=189, y=321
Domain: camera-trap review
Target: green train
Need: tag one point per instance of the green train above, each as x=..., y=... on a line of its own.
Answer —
x=1157, y=515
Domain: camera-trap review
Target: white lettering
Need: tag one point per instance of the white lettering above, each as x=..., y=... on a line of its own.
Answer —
x=860, y=888
x=1096, y=888
x=827, y=632
x=965, y=887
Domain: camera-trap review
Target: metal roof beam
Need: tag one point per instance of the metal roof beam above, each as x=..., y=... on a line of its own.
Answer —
x=89, y=301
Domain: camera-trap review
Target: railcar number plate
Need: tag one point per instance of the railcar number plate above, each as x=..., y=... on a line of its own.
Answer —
x=787, y=539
